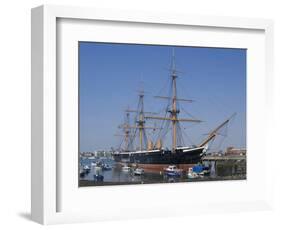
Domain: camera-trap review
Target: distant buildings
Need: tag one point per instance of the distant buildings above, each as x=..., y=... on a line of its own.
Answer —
x=230, y=151
x=98, y=153
x=235, y=151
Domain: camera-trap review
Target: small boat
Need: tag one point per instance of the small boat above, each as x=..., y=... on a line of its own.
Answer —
x=86, y=169
x=106, y=167
x=201, y=170
x=98, y=177
x=82, y=172
x=191, y=174
x=126, y=168
x=206, y=171
x=99, y=163
x=198, y=170
x=138, y=171
x=172, y=170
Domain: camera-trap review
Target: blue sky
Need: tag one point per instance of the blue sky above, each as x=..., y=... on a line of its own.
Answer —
x=111, y=74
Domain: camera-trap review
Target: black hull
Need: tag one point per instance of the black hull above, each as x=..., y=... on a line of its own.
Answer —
x=161, y=157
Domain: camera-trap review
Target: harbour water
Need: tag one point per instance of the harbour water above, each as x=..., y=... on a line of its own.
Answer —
x=116, y=176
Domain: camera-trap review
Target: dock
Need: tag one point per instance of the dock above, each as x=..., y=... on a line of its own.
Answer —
x=224, y=158
x=226, y=165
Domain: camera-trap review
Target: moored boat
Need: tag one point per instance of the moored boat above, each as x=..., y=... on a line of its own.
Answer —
x=153, y=156
x=86, y=169
x=191, y=174
x=106, y=167
x=172, y=170
x=82, y=172
x=138, y=171
x=98, y=177
x=198, y=170
x=93, y=164
x=126, y=168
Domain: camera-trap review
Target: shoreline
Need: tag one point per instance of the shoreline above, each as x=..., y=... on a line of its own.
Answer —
x=86, y=183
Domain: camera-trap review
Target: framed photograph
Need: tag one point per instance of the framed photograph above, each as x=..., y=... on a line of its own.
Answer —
x=132, y=110
x=160, y=145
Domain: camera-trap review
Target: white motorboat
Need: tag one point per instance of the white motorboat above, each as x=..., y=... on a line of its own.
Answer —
x=93, y=164
x=126, y=168
x=191, y=174
x=172, y=170
x=86, y=169
x=138, y=171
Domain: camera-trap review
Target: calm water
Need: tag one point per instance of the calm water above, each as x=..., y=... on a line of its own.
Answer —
x=116, y=175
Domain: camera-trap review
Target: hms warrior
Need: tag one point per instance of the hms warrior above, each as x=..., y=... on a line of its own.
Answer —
x=153, y=157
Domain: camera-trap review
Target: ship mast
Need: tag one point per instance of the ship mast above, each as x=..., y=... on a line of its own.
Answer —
x=140, y=126
x=126, y=132
x=174, y=111
x=141, y=121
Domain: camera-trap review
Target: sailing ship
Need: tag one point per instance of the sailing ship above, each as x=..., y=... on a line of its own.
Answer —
x=150, y=156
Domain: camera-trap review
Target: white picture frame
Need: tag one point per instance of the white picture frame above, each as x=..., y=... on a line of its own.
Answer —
x=47, y=181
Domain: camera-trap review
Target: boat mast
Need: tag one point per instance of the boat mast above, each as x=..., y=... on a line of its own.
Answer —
x=140, y=122
x=126, y=131
x=174, y=111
